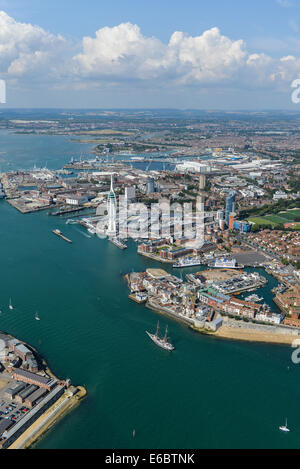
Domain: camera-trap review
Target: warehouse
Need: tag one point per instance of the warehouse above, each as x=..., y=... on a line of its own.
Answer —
x=34, y=397
x=33, y=378
x=5, y=424
x=20, y=398
x=12, y=392
x=12, y=434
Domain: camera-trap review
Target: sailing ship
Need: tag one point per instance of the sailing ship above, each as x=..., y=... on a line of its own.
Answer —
x=284, y=428
x=161, y=342
x=37, y=318
x=10, y=304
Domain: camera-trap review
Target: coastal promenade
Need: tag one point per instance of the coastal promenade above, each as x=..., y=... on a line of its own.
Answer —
x=238, y=330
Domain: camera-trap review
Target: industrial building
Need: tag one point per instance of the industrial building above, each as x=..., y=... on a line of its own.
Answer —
x=33, y=378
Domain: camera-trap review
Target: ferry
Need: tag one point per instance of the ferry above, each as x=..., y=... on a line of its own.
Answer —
x=225, y=264
x=187, y=262
x=161, y=342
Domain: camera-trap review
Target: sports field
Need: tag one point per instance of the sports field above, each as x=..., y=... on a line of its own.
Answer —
x=279, y=219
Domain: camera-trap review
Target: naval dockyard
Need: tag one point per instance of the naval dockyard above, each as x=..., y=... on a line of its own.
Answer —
x=32, y=398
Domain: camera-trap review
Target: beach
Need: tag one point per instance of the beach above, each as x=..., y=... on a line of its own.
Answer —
x=255, y=335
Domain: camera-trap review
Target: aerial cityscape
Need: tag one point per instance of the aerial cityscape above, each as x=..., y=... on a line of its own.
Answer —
x=150, y=235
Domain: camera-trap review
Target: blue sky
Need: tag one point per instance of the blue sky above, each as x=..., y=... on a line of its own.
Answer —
x=47, y=61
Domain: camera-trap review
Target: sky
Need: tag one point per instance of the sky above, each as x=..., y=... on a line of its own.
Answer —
x=216, y=54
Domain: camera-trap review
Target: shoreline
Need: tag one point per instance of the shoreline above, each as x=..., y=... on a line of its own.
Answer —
x=237, y=332
x=63, y=406
x=241, y=334
x=67, y=402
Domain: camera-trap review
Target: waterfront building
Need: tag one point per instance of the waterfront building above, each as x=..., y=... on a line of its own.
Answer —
x=33, y=378
x=11, y=434
x=112, y=211
x=76, y=199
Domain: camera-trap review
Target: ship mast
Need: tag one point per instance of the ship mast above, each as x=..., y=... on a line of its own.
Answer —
x=166, y=335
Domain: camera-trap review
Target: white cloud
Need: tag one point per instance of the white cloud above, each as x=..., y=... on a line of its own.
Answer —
x=27, y=49
x=122, y=56
x=124, y=51
x=284, y=3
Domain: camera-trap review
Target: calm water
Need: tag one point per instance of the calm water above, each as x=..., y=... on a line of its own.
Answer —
x=209, y=393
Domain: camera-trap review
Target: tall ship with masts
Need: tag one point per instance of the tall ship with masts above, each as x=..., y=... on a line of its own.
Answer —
x=162, y=342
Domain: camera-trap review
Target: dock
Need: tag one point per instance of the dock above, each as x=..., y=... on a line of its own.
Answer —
x=66, y=211
x=59, y=233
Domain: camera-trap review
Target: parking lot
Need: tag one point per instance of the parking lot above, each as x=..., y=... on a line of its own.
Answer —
x=8, y=408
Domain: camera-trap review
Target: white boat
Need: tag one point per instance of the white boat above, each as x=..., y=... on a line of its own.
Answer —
x=161, y=342
x=225, y=264
x=10, y=304
x=284, y=428
x=187, y=262
x=37, y=318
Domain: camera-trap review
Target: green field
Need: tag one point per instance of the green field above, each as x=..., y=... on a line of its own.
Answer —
x=291, y=214
x=261, y=221
x=278, y=219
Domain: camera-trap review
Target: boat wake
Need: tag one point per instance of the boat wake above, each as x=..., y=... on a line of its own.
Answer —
x=83, y=234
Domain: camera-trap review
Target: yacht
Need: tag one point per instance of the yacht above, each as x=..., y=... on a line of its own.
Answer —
x=10, y=304
x=284, y=428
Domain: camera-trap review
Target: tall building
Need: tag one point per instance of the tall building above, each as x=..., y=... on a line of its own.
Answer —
x=112, y=212
x=230, y=206
x=130, y=193
x=202, y=182
x=150, y=186
x=231, y=220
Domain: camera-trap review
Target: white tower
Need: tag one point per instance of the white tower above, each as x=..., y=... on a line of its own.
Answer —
x=112, y=213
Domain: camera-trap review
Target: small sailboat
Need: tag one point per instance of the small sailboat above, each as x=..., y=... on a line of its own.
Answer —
x=37, y=318
x=133, y=434
x=284, y=428
x=10, y=304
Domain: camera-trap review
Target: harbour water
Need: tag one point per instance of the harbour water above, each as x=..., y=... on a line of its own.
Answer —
x=209, y=393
